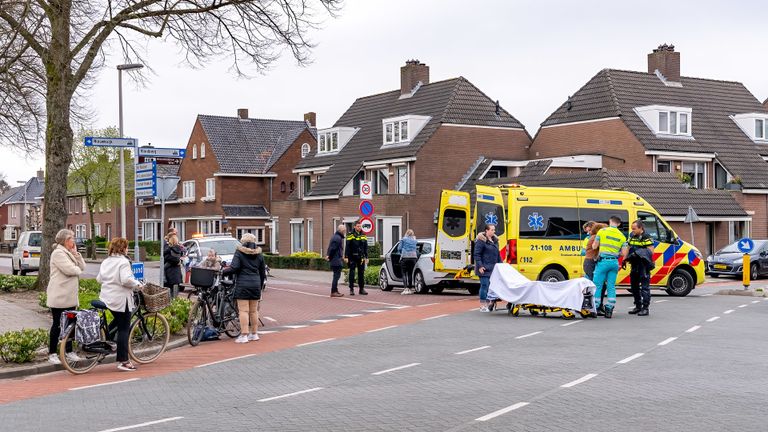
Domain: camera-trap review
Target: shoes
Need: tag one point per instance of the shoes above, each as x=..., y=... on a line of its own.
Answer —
x=73, y=357
x=242, y=339
x=54, y=359
x=363, y=292
x=253, y=337
x=126, y=366
x=491, y=306
x=608, y=313
x=600, y=311
x=351, y=292
x=643, y=312
x=407, y=291
x=337, y=294
x=635, y=310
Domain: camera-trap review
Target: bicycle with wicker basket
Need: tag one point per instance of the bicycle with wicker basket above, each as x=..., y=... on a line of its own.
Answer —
x=147, y=340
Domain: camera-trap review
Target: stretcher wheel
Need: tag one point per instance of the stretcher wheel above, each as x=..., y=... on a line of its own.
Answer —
x=533, y=312
x=585, y=313
x=515, y=310
x=568, y=315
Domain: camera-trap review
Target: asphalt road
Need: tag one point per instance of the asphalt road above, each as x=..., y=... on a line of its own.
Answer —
x=697, y=363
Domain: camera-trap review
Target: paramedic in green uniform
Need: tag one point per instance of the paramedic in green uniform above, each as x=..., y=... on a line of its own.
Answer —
x=610, y=243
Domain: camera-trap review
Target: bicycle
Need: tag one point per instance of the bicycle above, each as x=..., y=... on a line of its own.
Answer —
x=215, y=305
x=147, y=338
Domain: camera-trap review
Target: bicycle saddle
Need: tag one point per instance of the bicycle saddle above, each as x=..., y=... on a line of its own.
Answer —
x=98, y=304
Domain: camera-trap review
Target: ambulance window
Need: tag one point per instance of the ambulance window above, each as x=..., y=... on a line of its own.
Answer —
x=489, y=213
x=455, y=222
x=549, y=222
x=654, y=227
x=603, y=214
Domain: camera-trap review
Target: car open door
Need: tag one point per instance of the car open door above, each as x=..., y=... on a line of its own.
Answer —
x=452, y=239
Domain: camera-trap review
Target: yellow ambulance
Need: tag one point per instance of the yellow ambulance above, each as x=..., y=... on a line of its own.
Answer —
x=540, y=233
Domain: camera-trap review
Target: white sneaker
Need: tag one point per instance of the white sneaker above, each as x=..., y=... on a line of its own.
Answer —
x=253, y=337
x=242, y=339
x=483, y=308
x=73, y=357
x=54, y=359
x=407, y=291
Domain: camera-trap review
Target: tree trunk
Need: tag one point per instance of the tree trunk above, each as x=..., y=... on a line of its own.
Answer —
x=58, y=137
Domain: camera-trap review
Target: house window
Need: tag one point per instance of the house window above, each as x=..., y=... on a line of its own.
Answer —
x=389, y=137
x=664, y=166
x=13, y=211
x=683, y=123
x=721, y=176
x=329, y=142
x=310, y=234
x=760, y=129
x=674, y=122
x=697, y=173
x=97, y=230
x=402, y=179
x=322, y=148
x=210, y=188
x=83, y=203
x=202, y=150
x=194, y=151
x=396, y=132
x=282, y=187
x=305, y=148
x=380, y=180
x=189, y=189
x=360, y=176
x=663, y=121
x=404, y=131
x=306, y=184
x=297, y=236
x=209, y=227
x=258, y=232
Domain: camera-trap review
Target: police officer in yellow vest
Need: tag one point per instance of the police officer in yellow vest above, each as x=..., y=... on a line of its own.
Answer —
x=356, y=256
x=610, y=242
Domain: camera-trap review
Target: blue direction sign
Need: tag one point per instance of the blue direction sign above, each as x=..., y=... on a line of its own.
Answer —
x=366, y=208
x=746, y=245
x=145, y=181
x=138, y=270
x=162, y=152
x=109, y=142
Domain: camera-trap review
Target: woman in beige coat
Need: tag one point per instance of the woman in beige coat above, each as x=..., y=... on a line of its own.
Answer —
x=66, y=266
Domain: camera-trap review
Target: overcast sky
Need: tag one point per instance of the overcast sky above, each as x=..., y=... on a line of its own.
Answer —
x=530, y=55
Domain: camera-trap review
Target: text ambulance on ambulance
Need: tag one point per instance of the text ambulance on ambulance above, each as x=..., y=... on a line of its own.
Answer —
x=539, y=232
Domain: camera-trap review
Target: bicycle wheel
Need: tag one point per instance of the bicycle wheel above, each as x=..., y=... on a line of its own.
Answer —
x=198, y=319
x=78, y=360
x=148, y=338
x=231, y=319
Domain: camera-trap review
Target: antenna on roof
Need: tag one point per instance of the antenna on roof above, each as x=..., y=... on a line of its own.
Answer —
x=498, y=108
x=568, y=104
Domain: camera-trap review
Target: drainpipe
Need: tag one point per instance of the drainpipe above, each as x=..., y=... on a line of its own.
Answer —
x=322, y=224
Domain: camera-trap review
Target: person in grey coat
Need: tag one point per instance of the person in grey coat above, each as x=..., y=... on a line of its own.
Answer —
x=335, y=256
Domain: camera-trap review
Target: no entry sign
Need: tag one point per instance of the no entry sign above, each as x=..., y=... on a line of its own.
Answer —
x=366, y=225
x=366, y=208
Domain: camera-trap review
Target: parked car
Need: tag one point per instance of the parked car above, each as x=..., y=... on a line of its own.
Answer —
x=425, y=278
x=729, y=261
x=26, y=257
x=197, y=249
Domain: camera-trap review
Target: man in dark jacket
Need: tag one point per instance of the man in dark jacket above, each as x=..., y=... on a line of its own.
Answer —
x=356, y=255
x=640, y=257
x=335, y=256
x=248, y=265
x=486, y=257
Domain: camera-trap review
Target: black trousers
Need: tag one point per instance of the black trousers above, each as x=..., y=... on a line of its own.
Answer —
x=122, y=320
x=336, y=275
x=408, y=265
x=640, y=282
x=53, y=344
x=359, y=267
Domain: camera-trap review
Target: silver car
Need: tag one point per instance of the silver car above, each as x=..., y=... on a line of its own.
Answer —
x=197, y=249
x=425, y=278
x=26, y=256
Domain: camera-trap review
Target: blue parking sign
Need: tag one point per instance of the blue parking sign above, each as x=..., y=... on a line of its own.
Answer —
x=138, y=270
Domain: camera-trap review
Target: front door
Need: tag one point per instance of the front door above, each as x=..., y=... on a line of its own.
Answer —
x=389, y=232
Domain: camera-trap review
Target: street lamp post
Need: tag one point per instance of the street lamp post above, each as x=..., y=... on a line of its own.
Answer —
x=24, y=211
x=120, y=69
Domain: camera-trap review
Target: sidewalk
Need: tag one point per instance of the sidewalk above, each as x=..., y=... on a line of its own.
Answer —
x=16, y=317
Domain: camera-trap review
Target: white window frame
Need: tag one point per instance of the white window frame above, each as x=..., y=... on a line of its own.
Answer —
x=393, y=132
x=202, y=150
x=407, y=169
x=375, y=173
x=310, y=234
x=667, y=162
x=188, y=190
x=83, y=203
x=302, y=180
x=673, y=123
x=259, y=232
x=210, y=226
x=13, y=211
x=97, y=230
x=210, y=188
x=301, y=230
x=305, y=149
x=194, y=151
x=696, y=173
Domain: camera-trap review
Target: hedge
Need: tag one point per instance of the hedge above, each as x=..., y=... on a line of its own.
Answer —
x=300, y=263
x=17, y=283
x=21, y=346
x=371, y=275
x=152, y=247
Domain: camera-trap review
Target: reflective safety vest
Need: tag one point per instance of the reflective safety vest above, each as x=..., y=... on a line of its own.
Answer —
x=611, y=241
x=584, y=245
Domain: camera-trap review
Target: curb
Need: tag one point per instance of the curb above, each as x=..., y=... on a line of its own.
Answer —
x=741, y=292
x=41, y=368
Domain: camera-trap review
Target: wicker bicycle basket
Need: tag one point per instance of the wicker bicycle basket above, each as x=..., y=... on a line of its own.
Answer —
x=156, y=298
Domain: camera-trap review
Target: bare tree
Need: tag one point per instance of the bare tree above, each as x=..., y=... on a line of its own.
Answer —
x=4, y=186
x=50, y=50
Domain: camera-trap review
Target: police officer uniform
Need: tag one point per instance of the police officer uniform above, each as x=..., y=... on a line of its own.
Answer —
x=356, y=252
x=640, y=258
x=611, y=241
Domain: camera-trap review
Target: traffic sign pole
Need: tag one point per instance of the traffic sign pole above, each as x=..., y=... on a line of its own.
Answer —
x=745, y=246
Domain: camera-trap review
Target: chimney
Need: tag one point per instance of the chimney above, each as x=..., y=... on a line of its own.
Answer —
x=242, y=113
x=411, y=74
x=41, y=174
x=311, y=118
x=666, y=61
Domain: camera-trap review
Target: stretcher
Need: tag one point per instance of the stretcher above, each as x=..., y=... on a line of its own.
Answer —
x=540, y=298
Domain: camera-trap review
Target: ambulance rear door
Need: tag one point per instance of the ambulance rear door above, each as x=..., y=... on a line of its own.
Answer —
x=453, y=227
x=489, y=209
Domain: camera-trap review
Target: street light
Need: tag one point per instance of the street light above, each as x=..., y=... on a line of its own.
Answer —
x=120, y=69
x=24, y=211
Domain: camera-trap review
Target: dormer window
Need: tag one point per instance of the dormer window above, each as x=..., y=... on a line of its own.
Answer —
x=395, y=132
x=760, y=128
x=667, y=121
x=333, y=140
x=672, y=122
x=754, y=125
x=401, y=130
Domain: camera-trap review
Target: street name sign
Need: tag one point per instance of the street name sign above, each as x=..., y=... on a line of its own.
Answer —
x=109, y=142
x=162, y=152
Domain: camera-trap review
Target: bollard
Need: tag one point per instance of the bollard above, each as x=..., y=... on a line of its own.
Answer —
x=746, y=269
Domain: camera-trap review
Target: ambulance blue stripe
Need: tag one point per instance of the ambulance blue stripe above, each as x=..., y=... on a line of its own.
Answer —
x=597, y=201
x=486, y=197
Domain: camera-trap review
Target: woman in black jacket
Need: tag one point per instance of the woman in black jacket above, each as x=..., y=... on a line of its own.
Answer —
x=172, y=258
x=248, y=265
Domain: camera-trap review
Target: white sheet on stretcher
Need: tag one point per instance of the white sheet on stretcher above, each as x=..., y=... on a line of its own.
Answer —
x=509, y=285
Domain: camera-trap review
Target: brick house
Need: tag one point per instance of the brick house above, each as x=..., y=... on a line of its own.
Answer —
x=12, y=205
x=411, y=143
x=233, y=168
x=106, y=217
x=707, y=132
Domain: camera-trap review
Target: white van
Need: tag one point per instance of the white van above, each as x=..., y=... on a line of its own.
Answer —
x=26, y=256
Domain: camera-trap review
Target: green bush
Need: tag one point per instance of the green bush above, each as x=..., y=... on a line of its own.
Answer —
x=177, y=314
x=152, y=247
x=16, y=283
x=374, y=250
x=20, y=346
x=292, y=262
x=306, y=254
x=371, y=274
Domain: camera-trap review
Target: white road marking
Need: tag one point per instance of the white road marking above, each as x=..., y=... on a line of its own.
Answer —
x=398, y=307
x=501, y=411
x=226, y=360
x=472, y=350
x=395, y=369
x=571, y=323
x=374, y=310
x=380, y=329
x=667, y=340
x=434, y=317
x=315, y=342
x=298, y=326
x=528, y=335
x=165, y=420
x=706, y=295
x=765, y=299
x=729, y=311
x=630, y=358
x=428, y=304
x=267, y=331
x=290, y=394
x=661, y=301
x=715, y=318
x=324, y=321
x=693, y=329
x=350, y=315
x=585, y=378
x=270, y=319
x=103, y=384
x=755, y=301
x=743, y=306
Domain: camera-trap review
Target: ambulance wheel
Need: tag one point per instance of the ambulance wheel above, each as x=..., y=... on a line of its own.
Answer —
x=552, y=275
x=680, y=283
